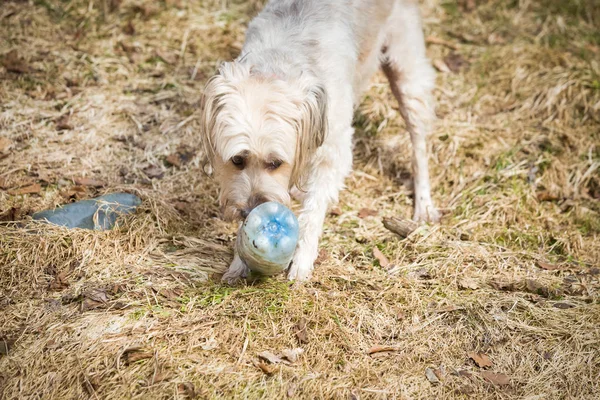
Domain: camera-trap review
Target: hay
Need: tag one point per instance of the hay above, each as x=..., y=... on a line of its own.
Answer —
x=108, y=90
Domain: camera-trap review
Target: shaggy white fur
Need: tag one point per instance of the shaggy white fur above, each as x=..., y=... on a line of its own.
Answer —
x=279, y=117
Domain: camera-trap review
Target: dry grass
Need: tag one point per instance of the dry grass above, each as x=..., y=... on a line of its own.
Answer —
x=107, y=89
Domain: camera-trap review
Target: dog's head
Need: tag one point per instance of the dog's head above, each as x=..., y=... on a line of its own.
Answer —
x=259, y=132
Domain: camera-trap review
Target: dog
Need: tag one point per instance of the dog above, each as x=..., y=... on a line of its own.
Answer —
x=278, y=119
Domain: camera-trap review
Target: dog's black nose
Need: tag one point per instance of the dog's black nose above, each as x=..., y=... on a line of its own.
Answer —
x=244, y=212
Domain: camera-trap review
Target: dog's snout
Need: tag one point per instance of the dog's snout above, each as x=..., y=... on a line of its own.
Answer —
x=253, y=201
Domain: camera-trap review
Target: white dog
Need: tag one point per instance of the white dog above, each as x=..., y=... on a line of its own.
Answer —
x=278, y=118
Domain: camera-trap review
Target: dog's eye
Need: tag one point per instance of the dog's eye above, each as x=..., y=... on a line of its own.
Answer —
x=273, y=165
x=238, y=161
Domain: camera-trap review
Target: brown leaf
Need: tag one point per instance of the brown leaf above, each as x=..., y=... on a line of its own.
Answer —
x=96, y=294
x=73, y=192
x=60, y=282
x=270, y=357
x=455, y=62
x=496, y=378
x=323, y=256
x=367, y=212
x=431, y=376
x=301, y=333
x=268, y=369
x=62, y=123
x=129, y=29
x=174, y=160
x=31, y=189
x=547, y=196
x=138, y=355
x=468, y=283
x=563, y=306
x=382, y=349
x=13, y=63
x=187, y=389
x=154, y=171
x=335, y=212
x=481, y=359
x=467, y=5
x=548, y=267
x=383, y=261
x=5, y=144
x=160, y=377
x=89, y=304
x=88, y=182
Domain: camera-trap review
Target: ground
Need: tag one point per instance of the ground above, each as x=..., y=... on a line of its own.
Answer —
x=499, y=301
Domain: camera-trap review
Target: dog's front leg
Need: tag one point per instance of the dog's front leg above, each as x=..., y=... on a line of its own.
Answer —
x=333, y=163
x=237, y=269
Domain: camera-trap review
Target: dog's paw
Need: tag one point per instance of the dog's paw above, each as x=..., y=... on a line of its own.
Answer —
x=426, y=213
x=237, y=271
x=301, y=268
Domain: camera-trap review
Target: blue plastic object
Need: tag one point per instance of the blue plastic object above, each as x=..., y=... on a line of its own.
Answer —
x=267, y=239
x=100, y=213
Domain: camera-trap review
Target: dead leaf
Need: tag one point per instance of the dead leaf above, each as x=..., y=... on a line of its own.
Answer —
x=96, y=294
x=270, y=357
x=431, y=376
x=563, y=306
x=268, y=369
x=367, y=212
x=468, y=283
x=5, y=144
x=31, y=189
x=455, y=62
x=13, y=63
x=60, y=282
x=160, y=377
x=481, y=359
x=383, y=261
x=129, y=29
x=292, y=355
x=301, y=333
x=323, y=256
x=88, y=182
x=335, y=212
x=441, y=66
x=382, y=349
x=187, y=389
x=136, y=353
x=154, y=172
x=73, y=192
x=467, y=5
x=548, y=267
x=174, y=160
x=496, y=378
x=547, y=196
x=62, y=123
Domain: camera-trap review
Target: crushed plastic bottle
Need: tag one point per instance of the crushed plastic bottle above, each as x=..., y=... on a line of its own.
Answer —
x=100, y=213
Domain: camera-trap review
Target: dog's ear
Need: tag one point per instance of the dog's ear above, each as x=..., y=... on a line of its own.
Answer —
x=312, y=131
x=210, y=105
